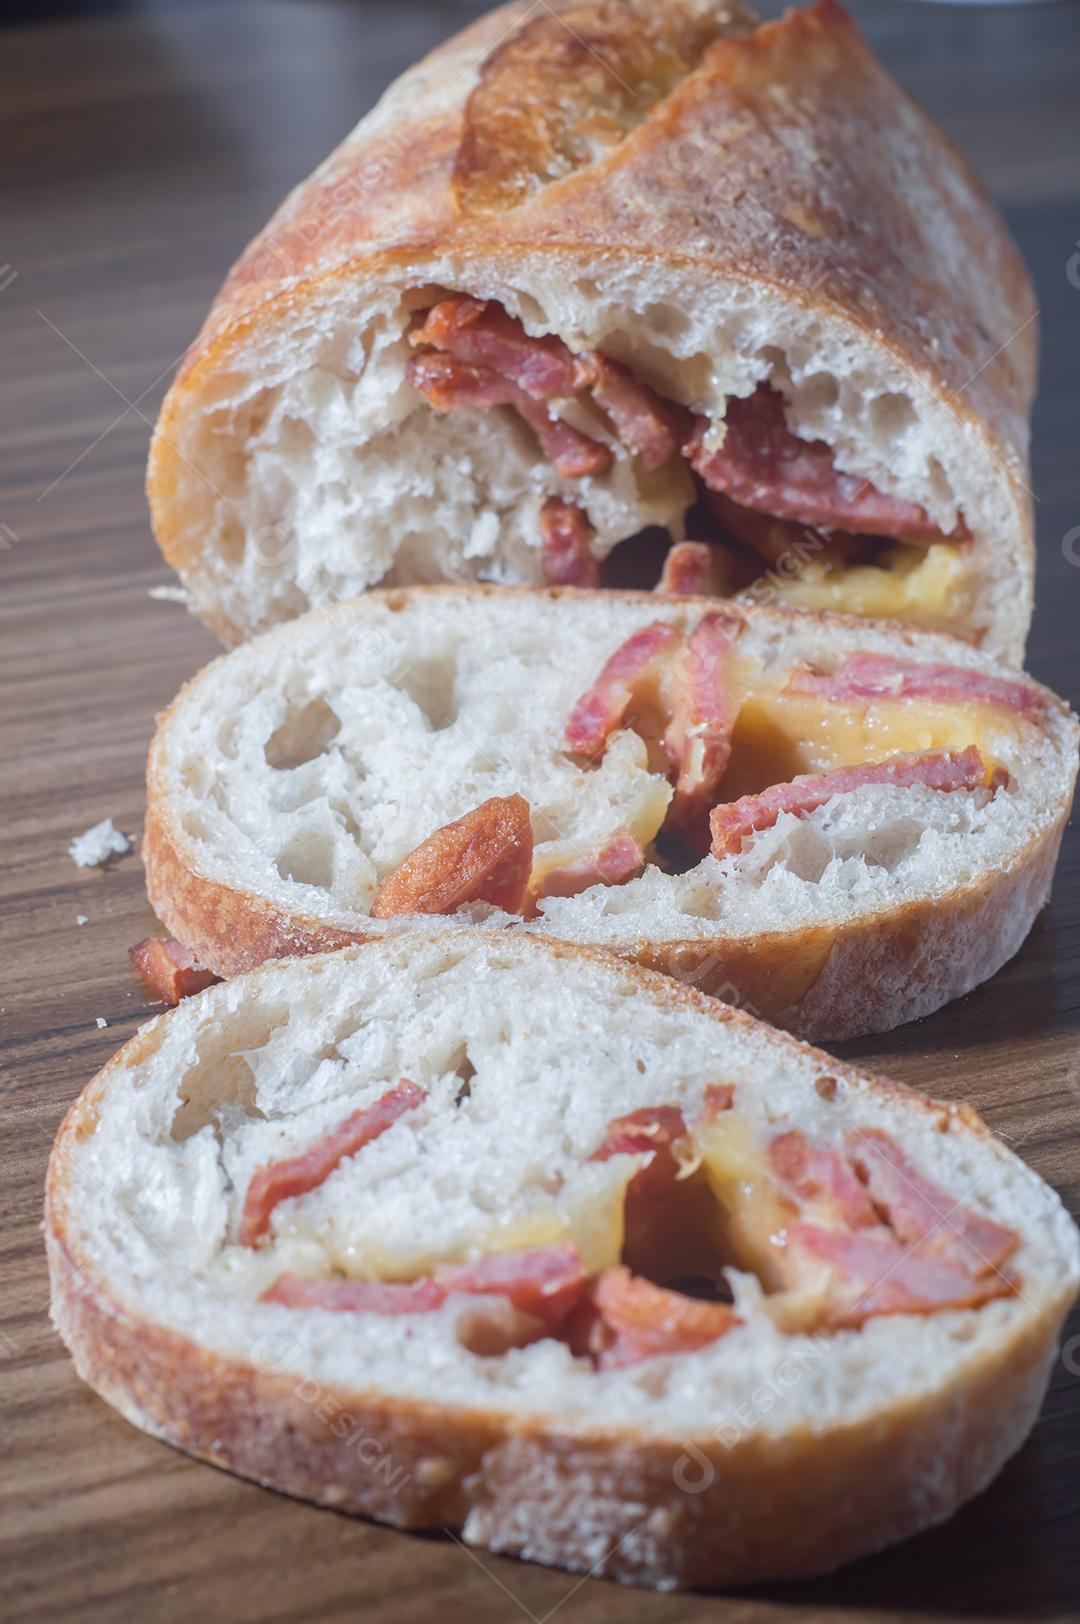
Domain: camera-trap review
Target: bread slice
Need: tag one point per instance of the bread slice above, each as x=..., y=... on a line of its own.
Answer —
x=635, y=1442
x=292, y=777
x=717, y=205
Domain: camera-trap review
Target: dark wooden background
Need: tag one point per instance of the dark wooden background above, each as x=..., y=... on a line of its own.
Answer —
x=140, y=149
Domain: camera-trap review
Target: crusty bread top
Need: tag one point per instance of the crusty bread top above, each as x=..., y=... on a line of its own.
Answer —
x=151, y=1169
x=301, y=768
x=781, y=152
x=708, y=201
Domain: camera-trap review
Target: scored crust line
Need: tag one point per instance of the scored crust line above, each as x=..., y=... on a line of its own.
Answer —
x=479, y=61
x=634, y=94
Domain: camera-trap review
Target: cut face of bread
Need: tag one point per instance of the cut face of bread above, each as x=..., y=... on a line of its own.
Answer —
x=591, y=278
x=836, y=825
x=484, y=1232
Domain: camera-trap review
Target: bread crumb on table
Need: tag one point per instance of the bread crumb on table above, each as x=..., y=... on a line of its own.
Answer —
x=94, y=847
x=100, y=1021
x=82, y=919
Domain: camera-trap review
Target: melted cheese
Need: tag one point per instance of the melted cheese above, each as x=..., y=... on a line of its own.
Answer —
x=591, y=1219
x=754, y=1217
x=756, y=1220
x=779, y=735
x=589, y=1216
x=926, y=588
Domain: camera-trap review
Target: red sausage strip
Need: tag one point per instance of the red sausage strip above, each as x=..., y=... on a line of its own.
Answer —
x=648, y=426
x=170, y=969
x=483, y=333
x=543, y=1282
x=823, y=1176
x=878, y=1274
x=357, y=1296
x=447, y=383
x=485, y=856
x=894, y=1241
x=628, y=1319
x=279, y=1181
x=784, y=542
x=674, y=691
x=653, y=1128
x=883, y=676
x=601, y=709
x=917, y=1209
x=612, y=863
x=943, y=770
x=565, y=545
x=692, y=569
x=697, y=740
x=653, y=1131
x=762, y=465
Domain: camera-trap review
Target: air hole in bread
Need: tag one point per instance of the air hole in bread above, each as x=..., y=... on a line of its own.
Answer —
x=307, y=859
x=665, y=320
x=819, y=392
x=531, y=312
x=466, y=1071
x=892, y=416
x=195, y=775
x=216, y=1088
x=704, y=1287
x=194, y=825
x=886, y=845
x=939, y=480
x=493, y=1327
x=674, y=1229
x=805, y=854
x=304, y=734
x=430, y=685
x=672, y=854
x=634, y=565
x=349, y=821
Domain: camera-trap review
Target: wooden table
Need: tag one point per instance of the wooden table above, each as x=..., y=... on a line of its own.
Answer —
x=140, y=151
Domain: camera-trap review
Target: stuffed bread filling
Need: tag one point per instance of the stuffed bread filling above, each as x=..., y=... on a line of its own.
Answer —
x=835, y=1235
x=728, y=754
x=773, y=515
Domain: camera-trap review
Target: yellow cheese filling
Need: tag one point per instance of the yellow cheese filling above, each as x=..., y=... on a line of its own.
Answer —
x=591, y=1216
x=779, y=735
x=929, y=587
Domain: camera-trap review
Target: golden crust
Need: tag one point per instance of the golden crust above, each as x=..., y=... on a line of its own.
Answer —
x=674, y=136
x=716, y=1509
x=823, y=982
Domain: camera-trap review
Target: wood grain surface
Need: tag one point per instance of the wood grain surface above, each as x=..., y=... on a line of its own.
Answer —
x=141, y=148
